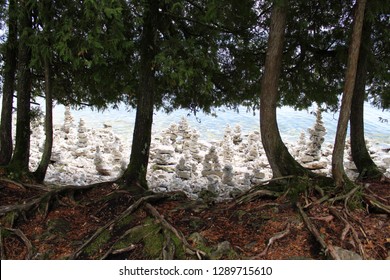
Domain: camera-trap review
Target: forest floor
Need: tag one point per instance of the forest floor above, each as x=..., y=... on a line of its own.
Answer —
x=37, y=223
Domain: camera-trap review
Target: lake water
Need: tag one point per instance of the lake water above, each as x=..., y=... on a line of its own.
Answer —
x=291, y=122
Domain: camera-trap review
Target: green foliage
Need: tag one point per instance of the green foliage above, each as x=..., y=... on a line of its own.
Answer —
x=210, y=53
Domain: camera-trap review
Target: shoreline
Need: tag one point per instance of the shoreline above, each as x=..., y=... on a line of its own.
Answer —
x=83, y=156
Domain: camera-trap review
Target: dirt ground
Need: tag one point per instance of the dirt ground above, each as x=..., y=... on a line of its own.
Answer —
x=259, y=227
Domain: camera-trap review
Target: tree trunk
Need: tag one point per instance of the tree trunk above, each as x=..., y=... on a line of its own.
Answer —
x=135, y=174
x=40, y=173
x=365, y=165
x=353, y=55
x=20, y=159
x=10, y=61
x=281, y=161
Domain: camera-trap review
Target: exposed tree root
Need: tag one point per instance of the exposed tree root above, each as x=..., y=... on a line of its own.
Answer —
x=256, y=194
x=19, y=234
x=348, y=227
x=379, y=206
x=329, y=249
x=12, y=184
x=346, y=196
x=50, y=192
x=271, y=241
x=132, y=208
x=168, y=226
x=23, y=207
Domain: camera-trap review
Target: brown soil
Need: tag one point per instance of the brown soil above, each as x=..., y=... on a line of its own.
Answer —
x=73, y=217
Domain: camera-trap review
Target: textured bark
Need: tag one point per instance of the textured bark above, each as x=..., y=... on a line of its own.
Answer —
x=10, y=61
x=281, y=161
x=361, y=157
x=40, y=173
x=135, y=174
x=20, y=158
x=350, y=77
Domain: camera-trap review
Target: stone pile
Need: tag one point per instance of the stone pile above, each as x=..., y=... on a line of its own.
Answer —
x=252, y=148
x=311, y=157
x=100, y=165
x=68, y=120
x=211, y=164
x=82, y=135
x=237, y=137
x=227, y=177
x=194, y=147
x=183, y=170
x=164, y=155
x=227, y=146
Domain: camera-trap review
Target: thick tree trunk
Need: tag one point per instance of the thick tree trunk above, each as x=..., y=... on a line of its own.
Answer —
x=361, y=157
x=40, y=173
x=353, y=55
x=10, y=61
x=281, y=161
x=135, y=174
x=20, y=159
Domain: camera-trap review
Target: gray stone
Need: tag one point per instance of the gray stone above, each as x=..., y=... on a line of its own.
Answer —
x=346, y=254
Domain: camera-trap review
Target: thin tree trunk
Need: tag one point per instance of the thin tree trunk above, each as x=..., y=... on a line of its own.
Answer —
x=135, y=174
x=281, y=161
x=40, y=173
x=361, y=157
x=20, y=159
x=10, y=62
x=353, y=55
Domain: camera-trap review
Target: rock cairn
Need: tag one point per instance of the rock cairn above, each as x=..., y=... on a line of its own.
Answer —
x=100, y=166
x=312, y=155
x=227, y=176
x=184, y=133
x=194, y=146
x=252, y=149
x=164, y=155
x=172, y=133
x=237, y=137
x=82, y=135
x=257, y=176
x=68, y=120
x=211, y=164
x=227, y=146
x=183, y=170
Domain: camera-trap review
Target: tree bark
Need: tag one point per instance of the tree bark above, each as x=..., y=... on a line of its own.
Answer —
x=10, y=61
x=40, y=173
x=281, y=161
x=135, y=174
x=350, y=77
x=20, y=159
x=361, y=157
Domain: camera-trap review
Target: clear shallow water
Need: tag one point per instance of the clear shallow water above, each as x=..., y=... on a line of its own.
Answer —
x=291, y=122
